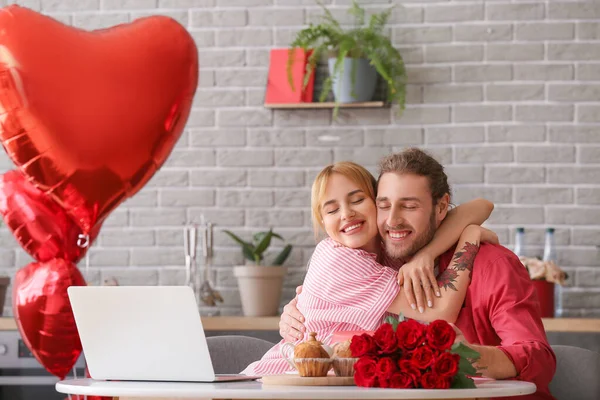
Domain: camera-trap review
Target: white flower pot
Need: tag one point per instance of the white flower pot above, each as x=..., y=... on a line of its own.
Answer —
x=260, y=289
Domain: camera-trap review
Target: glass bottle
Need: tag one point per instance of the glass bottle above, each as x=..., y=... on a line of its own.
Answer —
x=549, y=246
x=519, y=249
x=550, y=255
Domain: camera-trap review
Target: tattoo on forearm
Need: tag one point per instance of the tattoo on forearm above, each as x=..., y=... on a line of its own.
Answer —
x=463, y=260
x=446, y=278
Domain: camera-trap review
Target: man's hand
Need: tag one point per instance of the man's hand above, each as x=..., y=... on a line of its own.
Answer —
x=460, y=338
x=418, y=281
x=492, y=363
x=291, y=326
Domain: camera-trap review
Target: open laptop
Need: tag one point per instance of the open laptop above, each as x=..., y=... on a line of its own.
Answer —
x=143, y=333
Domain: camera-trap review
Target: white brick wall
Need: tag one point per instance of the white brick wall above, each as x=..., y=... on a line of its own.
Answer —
x=506, y=94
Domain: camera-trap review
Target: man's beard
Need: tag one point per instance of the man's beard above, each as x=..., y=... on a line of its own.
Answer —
x=401, y=253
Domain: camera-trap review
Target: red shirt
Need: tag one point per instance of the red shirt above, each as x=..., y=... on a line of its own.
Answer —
x=501, y=309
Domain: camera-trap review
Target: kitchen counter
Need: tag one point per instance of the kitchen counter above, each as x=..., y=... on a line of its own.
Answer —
x=209, y=323
x=272, y=324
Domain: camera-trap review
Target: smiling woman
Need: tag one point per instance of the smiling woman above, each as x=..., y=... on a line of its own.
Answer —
x=348, y=214
x=346, y=287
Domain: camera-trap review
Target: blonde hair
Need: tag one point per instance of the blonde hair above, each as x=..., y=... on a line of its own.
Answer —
x=356, y=173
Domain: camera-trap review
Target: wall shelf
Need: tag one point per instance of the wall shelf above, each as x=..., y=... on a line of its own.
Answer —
x=329, y=104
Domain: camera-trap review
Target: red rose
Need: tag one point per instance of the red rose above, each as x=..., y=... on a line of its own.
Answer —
x=407, y=355
x=407, y=367
x=366, y=372
x=446, y=365
x=429, y=380
x=363, y=345
x=386, y=339
x=384, y=382
x=410, y=334
x=440, y=335
x=385, y=367
x=422, y=357
x=442, y=382
x=400, y=380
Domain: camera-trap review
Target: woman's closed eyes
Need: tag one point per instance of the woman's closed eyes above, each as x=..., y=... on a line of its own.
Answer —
x=354, y=201
x=358, y=201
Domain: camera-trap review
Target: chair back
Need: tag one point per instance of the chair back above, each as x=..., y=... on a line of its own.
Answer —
x=232, y=354
x=577, y=374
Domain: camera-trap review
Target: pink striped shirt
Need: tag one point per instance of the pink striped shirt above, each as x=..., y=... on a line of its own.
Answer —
x=344, y=290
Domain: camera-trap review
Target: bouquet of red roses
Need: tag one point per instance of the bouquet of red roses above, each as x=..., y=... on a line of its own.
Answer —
x=409, y=354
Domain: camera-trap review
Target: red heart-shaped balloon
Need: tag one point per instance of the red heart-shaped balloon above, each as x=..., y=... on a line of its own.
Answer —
x=89, y=117
x=38, y=223
x=43, y=313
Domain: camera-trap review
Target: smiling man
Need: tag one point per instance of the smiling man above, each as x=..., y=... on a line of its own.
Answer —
x=500, y=317
x=399, y=217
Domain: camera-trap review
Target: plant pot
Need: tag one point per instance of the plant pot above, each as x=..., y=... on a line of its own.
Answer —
x=260, y=289
x=4, y=282
x=364, y=85
x=545, y=293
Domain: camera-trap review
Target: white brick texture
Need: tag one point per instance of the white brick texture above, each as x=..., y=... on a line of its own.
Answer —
x=505, y=93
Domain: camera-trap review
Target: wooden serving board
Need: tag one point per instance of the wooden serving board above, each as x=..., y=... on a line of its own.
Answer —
x=297, y=380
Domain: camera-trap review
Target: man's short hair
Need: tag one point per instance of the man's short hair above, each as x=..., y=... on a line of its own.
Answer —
x=416, y=161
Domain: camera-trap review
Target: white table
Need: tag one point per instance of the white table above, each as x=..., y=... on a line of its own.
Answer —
x=256, y=390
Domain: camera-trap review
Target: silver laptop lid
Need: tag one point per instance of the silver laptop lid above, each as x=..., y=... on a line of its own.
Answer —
x=149, y=333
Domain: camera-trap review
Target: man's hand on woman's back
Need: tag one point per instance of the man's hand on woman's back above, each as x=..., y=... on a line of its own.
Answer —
x=291, y=327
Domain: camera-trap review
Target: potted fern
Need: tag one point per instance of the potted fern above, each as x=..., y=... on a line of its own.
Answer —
x=260, y=283
x=355, y=57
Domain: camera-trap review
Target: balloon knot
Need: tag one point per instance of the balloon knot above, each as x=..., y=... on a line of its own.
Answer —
x=83, y=240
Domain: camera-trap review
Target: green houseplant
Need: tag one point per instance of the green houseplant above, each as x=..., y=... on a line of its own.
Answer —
x=254, y=251
x=260, y=283
x=361, y=47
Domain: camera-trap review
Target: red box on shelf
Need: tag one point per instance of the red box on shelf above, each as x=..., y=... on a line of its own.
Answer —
x=278, y=89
